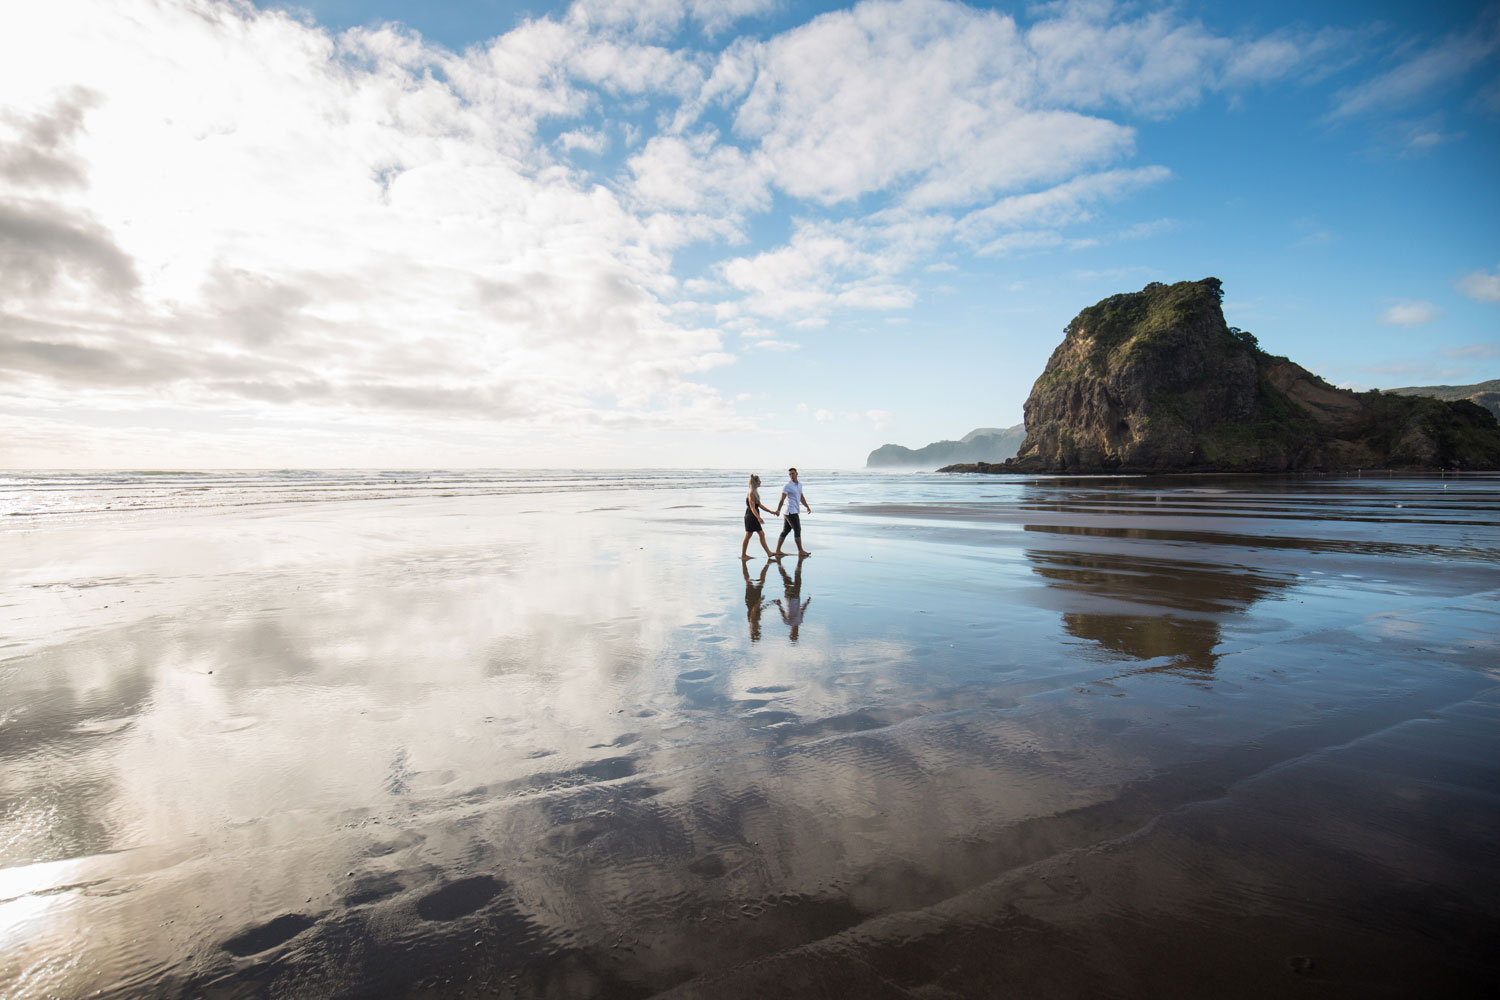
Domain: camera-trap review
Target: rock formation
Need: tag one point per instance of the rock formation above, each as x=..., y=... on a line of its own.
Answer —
x=1155, y=381
x=983, y=444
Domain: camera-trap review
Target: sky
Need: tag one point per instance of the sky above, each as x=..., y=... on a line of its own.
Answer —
x=703, y=233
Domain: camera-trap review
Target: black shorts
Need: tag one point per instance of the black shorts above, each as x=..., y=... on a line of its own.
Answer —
x=751, y=524
x=793, y=526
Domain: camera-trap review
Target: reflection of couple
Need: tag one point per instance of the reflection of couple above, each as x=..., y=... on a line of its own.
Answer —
x=792, y=610
x=755, y=526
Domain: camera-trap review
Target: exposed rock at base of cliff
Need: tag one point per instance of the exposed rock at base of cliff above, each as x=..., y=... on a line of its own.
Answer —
x=1156, y=381
x=983, y=444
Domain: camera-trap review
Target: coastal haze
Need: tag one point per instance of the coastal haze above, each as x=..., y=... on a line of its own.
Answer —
x=410, y=734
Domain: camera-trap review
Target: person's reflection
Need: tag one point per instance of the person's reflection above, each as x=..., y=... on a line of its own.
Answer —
x=794, y=607
x=753, y=601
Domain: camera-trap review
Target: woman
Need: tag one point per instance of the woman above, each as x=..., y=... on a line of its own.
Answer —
x=753, y=524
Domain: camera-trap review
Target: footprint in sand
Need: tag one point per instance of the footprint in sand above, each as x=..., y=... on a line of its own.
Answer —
x=372, y=889
x=268, y=935
x=458, y=899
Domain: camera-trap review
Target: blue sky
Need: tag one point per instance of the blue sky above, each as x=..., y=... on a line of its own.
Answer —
x=736, y=233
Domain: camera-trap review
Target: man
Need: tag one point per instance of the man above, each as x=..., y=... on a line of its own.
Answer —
x=793, y=523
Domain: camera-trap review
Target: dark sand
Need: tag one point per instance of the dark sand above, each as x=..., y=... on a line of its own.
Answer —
x=1229, y=738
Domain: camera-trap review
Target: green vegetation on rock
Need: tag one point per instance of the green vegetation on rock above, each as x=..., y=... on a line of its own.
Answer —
x=1486, y=394
x=1156, y=381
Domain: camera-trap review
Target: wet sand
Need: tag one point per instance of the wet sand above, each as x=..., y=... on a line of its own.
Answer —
x=1113, y=737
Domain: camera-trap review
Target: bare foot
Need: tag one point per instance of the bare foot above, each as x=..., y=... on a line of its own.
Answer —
x=776, y=554
x=803, y=553
x=746, y=558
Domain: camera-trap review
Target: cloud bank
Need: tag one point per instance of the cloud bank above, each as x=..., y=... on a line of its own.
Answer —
x=208, y=208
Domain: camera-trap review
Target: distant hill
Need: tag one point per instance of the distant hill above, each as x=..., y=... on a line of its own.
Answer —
x=1486, y=394
x=1156, y=381
x=983, y=444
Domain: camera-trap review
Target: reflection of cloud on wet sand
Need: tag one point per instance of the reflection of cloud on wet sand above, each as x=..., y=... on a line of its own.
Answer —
x=311, y=715
x=545, y=752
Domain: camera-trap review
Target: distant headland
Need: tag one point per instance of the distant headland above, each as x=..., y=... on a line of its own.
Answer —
x=1156, y=381
x=983, y=444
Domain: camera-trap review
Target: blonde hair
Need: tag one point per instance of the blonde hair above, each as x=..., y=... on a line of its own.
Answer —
x=754, y=480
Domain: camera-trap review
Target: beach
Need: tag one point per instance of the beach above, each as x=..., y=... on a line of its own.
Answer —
x=544, y=735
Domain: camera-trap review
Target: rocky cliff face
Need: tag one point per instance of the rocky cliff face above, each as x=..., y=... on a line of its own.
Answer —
x=1155, y=381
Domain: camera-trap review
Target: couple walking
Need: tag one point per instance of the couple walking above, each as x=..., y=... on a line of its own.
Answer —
x=792, y=491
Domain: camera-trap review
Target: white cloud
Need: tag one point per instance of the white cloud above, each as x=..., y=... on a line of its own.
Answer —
x=590, y=140
x=825, y=267
x=1410, y=313
x=717, y=15
x=1146, y=230
x=823, y=416
x=1433, y=67
x=1481, y=286
x=646, y=19
x=660, y=19
x=1473, y=352
x=627, y=68
x=1058, y=205
x=264, y=216
x=1153, y=64
x=880, y=418
x=209, y=207
x=843, y=105
x=841, y=109
x=696, y=174
x=1096, y=55
x=1021, y=241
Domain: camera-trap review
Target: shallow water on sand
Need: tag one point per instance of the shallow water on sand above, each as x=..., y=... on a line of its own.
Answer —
x=406, y=734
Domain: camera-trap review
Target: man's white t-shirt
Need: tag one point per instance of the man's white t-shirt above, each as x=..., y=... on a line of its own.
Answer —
x=793, y=493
